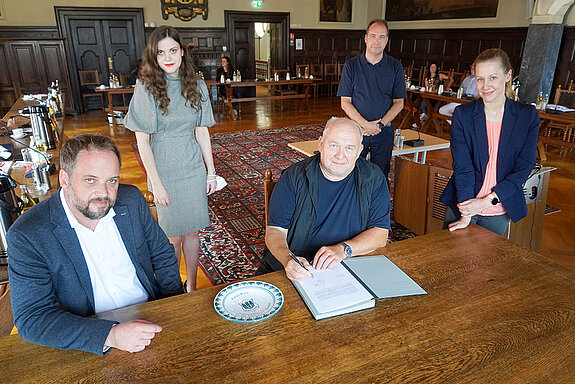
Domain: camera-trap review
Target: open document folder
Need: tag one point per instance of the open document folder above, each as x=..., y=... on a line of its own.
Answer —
x=353, y=285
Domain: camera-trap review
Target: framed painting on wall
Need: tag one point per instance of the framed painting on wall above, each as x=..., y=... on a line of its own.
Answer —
x=406, y=10
x=335, y=10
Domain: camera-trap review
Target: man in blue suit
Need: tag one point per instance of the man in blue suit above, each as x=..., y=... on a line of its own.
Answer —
x=91, y=247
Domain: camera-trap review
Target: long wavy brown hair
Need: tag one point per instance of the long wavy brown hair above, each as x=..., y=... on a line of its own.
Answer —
x=155, y=78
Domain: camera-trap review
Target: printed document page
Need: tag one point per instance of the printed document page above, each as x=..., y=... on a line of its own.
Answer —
x=333, y=289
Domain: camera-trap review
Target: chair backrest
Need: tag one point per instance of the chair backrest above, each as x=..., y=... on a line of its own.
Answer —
x=330, y=71
x=269, y=185
x=457, y=77
x=6, y=320
x=149, y=196
x=89, y=77
x=316, y=70
x=301, y=69
x=281, y=72
x=564, y=97
x=339, y=70
x=124, y=80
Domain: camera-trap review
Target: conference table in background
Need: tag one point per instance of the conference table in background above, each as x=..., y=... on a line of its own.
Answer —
x=494, y=313
x=111, y=107
x=299, y=86
x=432, y=143
x=18, y=174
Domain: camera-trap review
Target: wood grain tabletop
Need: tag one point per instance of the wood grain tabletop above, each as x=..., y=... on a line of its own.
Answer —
x=494, y=313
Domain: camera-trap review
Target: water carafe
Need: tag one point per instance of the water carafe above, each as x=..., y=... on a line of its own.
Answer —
x=42, y=125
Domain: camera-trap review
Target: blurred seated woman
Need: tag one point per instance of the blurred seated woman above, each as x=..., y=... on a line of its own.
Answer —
x=227, y=71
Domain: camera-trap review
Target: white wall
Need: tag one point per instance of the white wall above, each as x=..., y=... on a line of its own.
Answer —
x=303, y=13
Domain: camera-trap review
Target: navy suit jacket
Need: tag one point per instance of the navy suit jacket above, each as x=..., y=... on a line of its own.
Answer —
x=515, y=157
x=50, y=284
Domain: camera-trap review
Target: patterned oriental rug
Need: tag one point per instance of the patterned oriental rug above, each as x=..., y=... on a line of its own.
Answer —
x=231, y=247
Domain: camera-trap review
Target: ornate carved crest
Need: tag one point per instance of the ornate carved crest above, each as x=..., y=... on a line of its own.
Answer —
x=184, y=10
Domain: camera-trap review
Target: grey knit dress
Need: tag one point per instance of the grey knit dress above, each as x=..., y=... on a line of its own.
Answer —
x=177, y=154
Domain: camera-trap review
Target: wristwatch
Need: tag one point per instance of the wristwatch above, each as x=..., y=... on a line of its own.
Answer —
x=494, y=201
x=346, y=250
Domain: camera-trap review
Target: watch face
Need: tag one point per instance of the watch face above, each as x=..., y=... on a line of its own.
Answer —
x=346, y=250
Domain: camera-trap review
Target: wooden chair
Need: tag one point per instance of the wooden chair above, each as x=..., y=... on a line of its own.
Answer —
x=457, y=78
x=149, y=196
x=89, y=80
x=330, y=76
x=566, y=98
x=283, y=90
x=316, y=70
x=300, y=68
x=6, y=320
x=269, y=185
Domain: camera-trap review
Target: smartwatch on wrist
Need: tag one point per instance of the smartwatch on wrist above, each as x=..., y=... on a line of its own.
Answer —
x=346, y=250
x=494, y=200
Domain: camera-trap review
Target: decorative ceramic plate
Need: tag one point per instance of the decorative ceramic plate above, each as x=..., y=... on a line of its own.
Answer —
x=248, y=301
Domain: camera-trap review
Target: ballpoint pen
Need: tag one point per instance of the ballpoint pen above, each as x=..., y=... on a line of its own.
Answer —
x=300, y=264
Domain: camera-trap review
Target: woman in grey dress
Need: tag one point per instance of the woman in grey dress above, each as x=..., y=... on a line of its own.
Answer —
x=170, y=114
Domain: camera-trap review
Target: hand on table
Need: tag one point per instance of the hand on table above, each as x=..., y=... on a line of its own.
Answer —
x=328, y=256
x=161, y=196
x=132, y=336
x=463, y=222
x=295, y=272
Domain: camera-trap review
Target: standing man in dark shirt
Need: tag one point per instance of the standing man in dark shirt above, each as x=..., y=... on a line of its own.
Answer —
x=372, y=89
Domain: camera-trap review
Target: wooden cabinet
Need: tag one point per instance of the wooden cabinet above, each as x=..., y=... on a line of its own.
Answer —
x=29, y=66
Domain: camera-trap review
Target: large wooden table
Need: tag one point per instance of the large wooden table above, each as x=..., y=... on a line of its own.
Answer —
x=432, y=143
x=295, y=83
x=494, y=313
x=111, y=107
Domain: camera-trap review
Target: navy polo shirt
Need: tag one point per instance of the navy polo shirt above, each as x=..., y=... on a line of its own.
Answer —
x=372, y=87
x=337, y=211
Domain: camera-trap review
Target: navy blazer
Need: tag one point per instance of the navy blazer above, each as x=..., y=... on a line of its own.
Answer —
x=515, y=157
x=49, y=280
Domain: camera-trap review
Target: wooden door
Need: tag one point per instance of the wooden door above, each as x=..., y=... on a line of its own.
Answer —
x=244, y=49
x=244, y=54
x=94, y=34
x=95, y=41
x=277, y=60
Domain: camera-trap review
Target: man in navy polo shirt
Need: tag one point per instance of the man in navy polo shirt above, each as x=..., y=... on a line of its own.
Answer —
x=327, y=207
x=372, y=89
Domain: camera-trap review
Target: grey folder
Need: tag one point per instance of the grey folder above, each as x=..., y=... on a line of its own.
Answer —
x=382, y=277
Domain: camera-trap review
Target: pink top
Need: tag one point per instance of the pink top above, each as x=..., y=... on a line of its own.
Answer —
x=490, y=181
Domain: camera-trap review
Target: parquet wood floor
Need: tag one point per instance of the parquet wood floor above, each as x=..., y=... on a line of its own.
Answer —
x=558, y=241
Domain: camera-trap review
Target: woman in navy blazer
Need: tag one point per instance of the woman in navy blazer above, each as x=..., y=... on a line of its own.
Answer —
x=493, y=144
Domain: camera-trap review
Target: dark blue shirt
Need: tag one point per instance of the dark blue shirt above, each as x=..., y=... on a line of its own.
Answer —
x=372, y=87
x=338, y=217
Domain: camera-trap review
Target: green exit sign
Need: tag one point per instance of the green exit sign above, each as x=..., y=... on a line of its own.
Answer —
x=257, y=4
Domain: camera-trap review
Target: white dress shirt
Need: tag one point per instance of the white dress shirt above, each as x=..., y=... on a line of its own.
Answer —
x=112, y=272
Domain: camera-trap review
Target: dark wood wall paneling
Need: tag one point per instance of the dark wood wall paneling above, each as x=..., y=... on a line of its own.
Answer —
x=454, y=48
x=326, y=46
x=30, y=58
